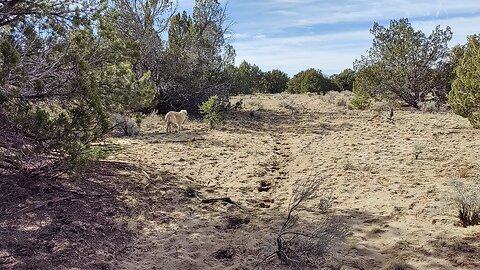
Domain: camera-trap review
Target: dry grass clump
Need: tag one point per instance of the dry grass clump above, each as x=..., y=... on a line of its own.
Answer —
x=466, y=198
x=397, y=265
x=418, y=148
x=432, y=106
x=253, y=104
x=125, y=124
x=380, y=106
x=293, y=107
x=348, y=166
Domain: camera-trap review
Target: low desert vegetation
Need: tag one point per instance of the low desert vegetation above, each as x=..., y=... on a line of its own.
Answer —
x=212, y=111
x=467, y=202
x=418, y=149
x=397, y=265
x=300, y=246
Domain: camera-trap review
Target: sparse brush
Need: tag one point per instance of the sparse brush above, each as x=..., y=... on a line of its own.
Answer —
x=325, y=202
x=300, y=247
x=348, y=166
x=294, y=108
x=330, y=96
x=398, y=265
x=126, y=125
x=429, y=106
x=253, y=104
x=341, y=101
x=418, y=149
x=289, y=106
x=467, y=202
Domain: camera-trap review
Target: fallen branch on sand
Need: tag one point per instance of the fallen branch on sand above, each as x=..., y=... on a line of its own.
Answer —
x=190, y=192
x=224, y=199
x=390, y=120
x=39, y=205
x=185, y=140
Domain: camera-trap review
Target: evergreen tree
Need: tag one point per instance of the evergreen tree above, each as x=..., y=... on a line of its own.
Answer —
x=275, y=81
x=464, y=98
x=311, y=80
x=63, y=72
x=344, y=80
x=404, y=63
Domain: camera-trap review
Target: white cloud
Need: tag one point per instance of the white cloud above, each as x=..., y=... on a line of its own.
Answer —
x=293, y=35
x=330, y=52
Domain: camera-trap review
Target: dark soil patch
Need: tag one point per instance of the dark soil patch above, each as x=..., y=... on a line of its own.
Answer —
x=226, y=253
x=234, y=222
x=78, y=228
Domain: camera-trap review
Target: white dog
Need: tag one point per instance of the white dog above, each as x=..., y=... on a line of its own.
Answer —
x=175, y=118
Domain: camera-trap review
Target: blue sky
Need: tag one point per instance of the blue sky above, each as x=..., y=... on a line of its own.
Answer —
x=293, y=35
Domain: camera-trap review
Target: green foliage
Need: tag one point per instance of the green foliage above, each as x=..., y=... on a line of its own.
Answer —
x=275, y=81
x=198, y=60
x=404, y=64
x=9, y=58
x=360, y=99
x=249, y=78
x=310, y=80
x=464, y=98
x=50, y=121
x=211, y=111
x=344, y=80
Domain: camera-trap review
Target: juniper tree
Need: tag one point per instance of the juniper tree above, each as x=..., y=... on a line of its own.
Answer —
x=64, y=71
x=464, y=98
x=403, y=63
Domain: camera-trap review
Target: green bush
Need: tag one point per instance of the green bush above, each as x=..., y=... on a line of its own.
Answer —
x=360, y=99
x=49, y=123
x=211, y=110
x=464, y=98
x=310, y=81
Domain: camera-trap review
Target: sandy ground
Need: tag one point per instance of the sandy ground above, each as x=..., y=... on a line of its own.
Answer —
x=397, y=207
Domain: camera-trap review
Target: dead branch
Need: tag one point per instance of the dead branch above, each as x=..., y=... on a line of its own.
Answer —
x=39, y=205
x=388, y=119
x=186, y=140
x=224, y=199
x=301, y=247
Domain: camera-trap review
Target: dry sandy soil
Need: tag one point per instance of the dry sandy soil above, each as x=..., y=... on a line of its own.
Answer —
x=141, y=207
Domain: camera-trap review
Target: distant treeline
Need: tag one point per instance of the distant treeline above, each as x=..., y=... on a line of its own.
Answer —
x=249, y=79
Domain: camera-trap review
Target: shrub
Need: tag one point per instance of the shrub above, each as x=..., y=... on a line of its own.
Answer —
x=305, y=248
x=341, y=101
x=310, y=80
x=59, y=85
x=126, y=125
x=360, y=100
x=397, y=265
x=429, y=106
x=467, y=201
x=464, y=98
x=211, y=111
x=386, y=72
x=418, y=149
